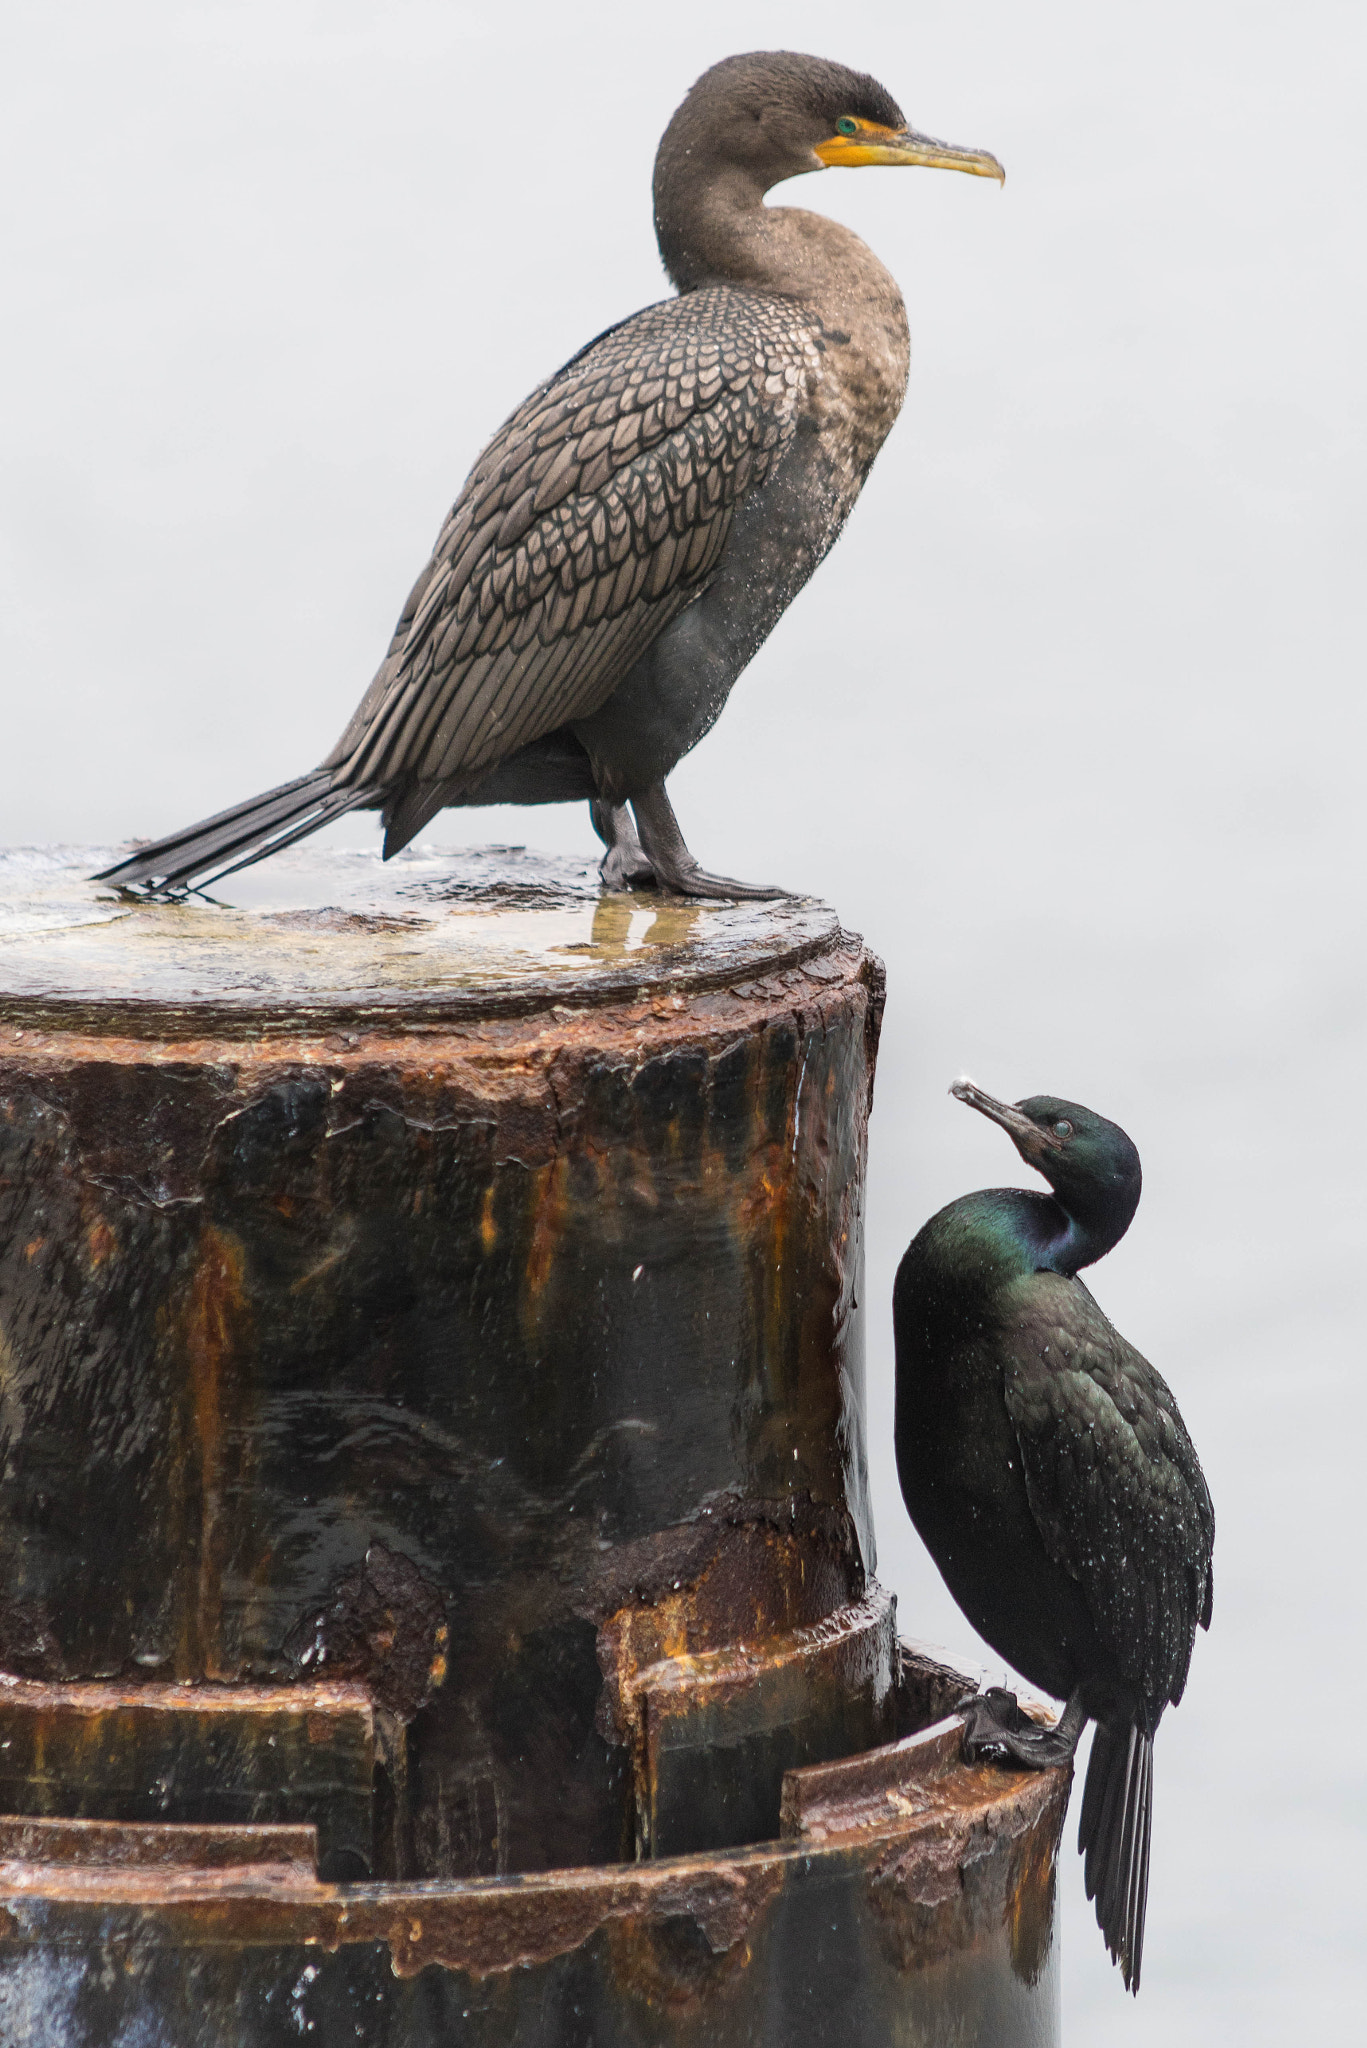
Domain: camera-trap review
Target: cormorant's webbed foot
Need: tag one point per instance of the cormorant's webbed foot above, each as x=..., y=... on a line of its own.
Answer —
x=674, y=866
x=623, y=866
x=996, y=1731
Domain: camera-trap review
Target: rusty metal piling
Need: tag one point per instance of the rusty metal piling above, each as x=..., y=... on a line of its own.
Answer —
x=436, y=1566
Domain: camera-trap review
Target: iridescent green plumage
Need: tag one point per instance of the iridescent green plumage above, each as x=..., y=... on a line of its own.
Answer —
x=1046, y=1467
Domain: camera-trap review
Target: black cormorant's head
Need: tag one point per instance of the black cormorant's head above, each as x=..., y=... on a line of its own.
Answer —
x=752, y=121
x=1091, y=1165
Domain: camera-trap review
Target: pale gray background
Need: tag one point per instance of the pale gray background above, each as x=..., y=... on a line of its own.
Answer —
x=1069, y=725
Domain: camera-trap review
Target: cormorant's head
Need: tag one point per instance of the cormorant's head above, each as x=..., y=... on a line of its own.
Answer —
x=774, y=114
x=1091, y=1165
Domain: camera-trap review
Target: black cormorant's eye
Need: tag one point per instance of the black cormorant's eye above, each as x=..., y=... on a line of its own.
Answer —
x=845, y=126
x=1063, y=1129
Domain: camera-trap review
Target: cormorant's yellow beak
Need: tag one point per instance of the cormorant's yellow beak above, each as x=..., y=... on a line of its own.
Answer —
x=868, y=143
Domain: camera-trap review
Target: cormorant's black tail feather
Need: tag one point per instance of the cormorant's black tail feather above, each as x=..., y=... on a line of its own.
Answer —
x=234, y=839
x=1117, y=1818
x=411, y=807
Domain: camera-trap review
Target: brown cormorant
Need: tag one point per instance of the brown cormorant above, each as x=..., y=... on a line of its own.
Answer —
x=633, y=533
x=1052, y=1480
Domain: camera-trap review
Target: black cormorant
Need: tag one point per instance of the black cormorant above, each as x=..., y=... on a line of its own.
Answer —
x=1052, y=1480
x=632, y=534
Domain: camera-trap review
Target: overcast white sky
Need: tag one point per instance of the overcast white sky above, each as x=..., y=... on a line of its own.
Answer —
x=1070, y=725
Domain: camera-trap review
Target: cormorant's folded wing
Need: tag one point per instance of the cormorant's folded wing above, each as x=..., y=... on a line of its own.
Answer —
x=594, y=516
x=1114, y=1485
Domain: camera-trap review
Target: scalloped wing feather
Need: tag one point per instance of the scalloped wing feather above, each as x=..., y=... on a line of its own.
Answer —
x=595, y=515
x=1114, y=1484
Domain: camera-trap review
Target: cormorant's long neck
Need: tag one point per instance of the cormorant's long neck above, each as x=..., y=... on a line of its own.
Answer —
x=714, y=228
x=709, y=221
x=1083, y=1230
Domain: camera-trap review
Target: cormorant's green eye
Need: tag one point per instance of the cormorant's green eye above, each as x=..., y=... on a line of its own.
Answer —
x=1063, y=1129
x=845, y=126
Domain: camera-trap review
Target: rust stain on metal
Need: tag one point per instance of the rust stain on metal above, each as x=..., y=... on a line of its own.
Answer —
x=858, y=1634
x=488, y=1929
x=692, y=1941
x=108, y=1845
x=756, y=1653
x=100, y=1243
x=979, y=1845
x=962, y=1872
x=956, y=1858
x=548, y=1225
x=382, y=1622
x=154, y=1753
x=674, y=1928
x=751, y=1582
x=500, y=1053
x=213, y=1333
x=93, y=1697
x=1031, y=1887
x=869, y=1791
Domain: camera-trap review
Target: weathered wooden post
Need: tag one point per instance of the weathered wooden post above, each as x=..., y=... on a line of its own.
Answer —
x=436, y=1596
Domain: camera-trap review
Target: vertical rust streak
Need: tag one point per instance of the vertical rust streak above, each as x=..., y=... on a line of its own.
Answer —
x=215, y=1311
x=548, y=1224
x=644, y=1758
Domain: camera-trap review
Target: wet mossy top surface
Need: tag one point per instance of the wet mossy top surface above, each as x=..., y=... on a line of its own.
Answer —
x=330, y=936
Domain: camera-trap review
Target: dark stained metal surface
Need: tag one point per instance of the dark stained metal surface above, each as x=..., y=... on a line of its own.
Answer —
x=107, y=1845
x=235, y=1754
x=913, y=1906
x=430, y=1357
x=714, y=1731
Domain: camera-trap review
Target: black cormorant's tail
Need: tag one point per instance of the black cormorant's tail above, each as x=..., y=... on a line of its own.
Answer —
x=235, y=838
x=1117, y=1816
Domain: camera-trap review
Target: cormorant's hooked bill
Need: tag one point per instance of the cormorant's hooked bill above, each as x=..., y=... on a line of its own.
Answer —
x=1032, y=1138
x=857, y=143
x=634, y=532
x=1049, y=1473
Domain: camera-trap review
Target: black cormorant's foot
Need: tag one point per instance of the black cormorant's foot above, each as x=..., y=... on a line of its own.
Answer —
x=158, y=892
x=996, y=1731
x=695, y=881
x=674, y=866
x=623, y=866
